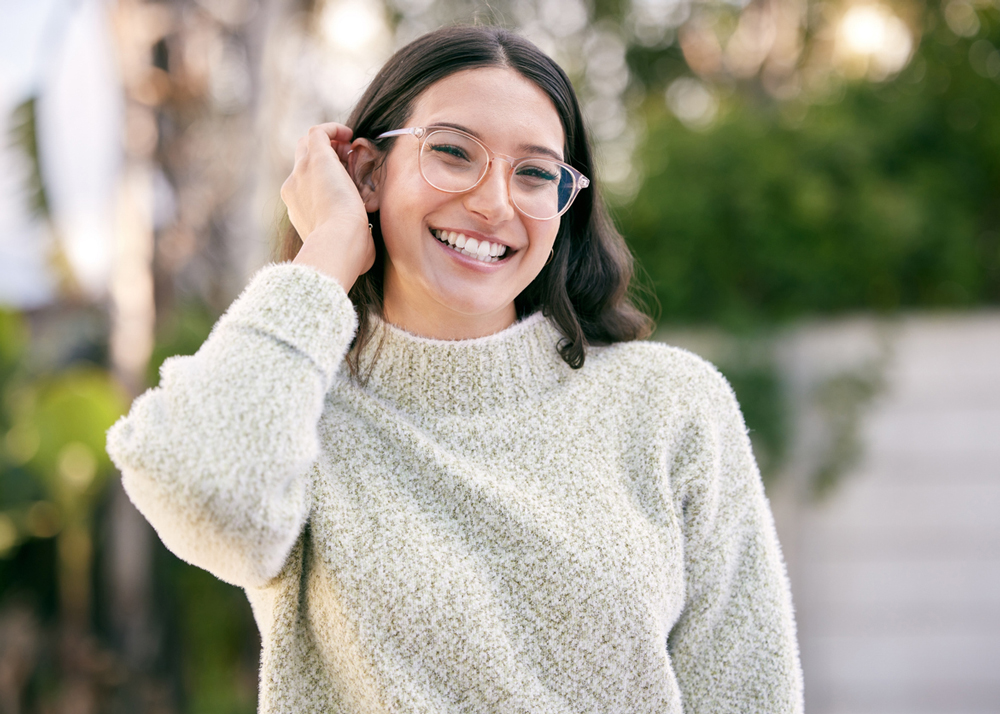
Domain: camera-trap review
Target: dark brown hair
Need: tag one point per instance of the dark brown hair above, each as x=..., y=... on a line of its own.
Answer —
x=583, y=290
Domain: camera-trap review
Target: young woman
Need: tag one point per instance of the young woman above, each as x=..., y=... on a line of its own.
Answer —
x=430, y=449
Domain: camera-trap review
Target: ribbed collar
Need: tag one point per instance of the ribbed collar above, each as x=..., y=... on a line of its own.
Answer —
x=462, y=377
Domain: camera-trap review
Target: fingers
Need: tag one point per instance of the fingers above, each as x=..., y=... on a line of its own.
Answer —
x=342, y=151
x=321, y=136
x=331, y=134
x=336, y=132
x=315, y=148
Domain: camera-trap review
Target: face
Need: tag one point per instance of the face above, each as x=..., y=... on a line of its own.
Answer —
x=432, y=289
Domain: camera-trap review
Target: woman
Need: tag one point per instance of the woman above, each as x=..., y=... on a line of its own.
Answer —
x=431, y=451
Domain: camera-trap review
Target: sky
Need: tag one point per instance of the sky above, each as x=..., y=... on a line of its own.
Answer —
x=59, y=51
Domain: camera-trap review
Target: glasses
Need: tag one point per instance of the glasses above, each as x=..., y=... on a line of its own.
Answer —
x=455, y=162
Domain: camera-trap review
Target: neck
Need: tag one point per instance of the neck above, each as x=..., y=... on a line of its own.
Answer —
x=429, y=318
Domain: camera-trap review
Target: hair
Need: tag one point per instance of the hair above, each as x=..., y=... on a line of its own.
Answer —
x=584, y=288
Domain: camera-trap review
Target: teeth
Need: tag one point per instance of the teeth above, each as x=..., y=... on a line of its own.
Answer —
x=483, y=251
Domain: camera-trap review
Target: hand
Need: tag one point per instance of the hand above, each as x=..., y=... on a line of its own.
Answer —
x=325, y=207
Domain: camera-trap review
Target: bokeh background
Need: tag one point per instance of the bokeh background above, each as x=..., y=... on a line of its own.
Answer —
x=812, y=188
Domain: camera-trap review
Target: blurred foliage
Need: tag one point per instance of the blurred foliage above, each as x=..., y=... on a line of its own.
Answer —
x=842, y=400
x=887, y=197
x=220, y=644
x=52, y=459
x=54, y=474
x=53, y=470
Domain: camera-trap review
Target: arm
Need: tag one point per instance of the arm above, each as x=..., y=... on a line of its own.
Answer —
x=733, y=648
x=217, y=457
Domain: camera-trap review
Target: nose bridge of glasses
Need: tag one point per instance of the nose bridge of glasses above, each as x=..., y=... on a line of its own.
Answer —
x=491, y=159
x=511, y=161
x=504, y=176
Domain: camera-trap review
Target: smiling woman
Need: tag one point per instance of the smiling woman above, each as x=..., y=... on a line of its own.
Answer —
x=486, y=81
x=431, y=449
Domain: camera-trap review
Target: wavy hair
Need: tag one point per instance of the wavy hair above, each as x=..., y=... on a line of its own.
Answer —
x=584, y=289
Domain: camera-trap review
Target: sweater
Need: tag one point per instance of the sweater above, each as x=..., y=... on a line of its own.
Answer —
x=476, y=528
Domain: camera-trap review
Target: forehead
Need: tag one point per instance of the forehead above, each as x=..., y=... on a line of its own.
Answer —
x=503, y=108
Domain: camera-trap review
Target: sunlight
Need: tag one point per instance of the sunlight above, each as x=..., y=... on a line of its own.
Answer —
x=864, y=28
x=692, y=102
x=351, y=25
x=877, y=37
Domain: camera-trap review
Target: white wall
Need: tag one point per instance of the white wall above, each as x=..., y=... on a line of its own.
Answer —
x=896, y=574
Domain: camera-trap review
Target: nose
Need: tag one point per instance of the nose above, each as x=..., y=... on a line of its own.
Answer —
x=491, y=197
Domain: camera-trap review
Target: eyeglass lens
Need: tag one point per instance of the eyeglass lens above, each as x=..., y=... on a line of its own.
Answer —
x=454, y=162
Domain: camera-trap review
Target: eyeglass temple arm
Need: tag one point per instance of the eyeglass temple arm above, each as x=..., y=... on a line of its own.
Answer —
x=415, y=130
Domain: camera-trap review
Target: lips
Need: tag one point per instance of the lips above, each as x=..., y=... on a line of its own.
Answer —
x=482, y=250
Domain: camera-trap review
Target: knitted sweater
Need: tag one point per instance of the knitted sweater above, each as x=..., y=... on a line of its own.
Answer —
x=478, y=528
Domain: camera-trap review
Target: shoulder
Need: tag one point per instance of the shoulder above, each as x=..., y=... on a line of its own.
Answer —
x=659, y=369
x=653, y=381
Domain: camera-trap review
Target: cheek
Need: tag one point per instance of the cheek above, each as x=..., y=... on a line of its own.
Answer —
x=544, y=236
x=408, y=195
x=403, y=205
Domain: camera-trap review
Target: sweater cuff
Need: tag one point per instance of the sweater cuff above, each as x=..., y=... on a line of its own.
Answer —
x=301, y=307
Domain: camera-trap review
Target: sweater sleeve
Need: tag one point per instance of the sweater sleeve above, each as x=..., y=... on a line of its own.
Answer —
x=733, y=648
x=218, y=456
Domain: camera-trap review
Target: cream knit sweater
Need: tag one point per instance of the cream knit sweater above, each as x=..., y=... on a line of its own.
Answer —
x=480, y=528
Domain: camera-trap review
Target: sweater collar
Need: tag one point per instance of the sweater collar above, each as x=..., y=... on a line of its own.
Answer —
x=419, y=375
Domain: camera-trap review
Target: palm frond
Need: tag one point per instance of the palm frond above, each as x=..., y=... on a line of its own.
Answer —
x=24, y=135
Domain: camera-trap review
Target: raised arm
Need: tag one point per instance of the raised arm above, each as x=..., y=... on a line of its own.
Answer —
x=733, y=648
x=218, y=456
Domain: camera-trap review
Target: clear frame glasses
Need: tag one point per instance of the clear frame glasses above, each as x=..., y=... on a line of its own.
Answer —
x=455, y=162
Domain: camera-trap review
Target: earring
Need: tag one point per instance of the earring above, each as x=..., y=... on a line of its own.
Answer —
x=552, y=252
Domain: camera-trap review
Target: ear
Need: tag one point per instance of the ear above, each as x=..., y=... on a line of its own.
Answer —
x=364, y=163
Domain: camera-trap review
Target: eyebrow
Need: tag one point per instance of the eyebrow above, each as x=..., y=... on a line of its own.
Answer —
x=531, y=149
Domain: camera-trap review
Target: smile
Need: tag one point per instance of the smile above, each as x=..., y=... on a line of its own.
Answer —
x=483, y=251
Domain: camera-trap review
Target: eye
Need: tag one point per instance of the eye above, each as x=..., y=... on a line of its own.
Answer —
x=453, y=148
x=537, y=174
x=449, y=152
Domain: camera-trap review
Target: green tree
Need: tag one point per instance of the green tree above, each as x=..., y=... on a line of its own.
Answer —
x=887, y=198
